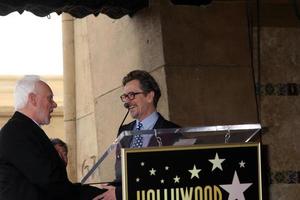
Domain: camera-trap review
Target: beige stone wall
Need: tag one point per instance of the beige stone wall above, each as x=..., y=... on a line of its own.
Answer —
x=208, y=70
x=7, y=85
x=106, y=50
x=201, y=58
x=201, y=83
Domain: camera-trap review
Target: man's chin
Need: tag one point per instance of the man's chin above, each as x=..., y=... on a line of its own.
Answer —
x=46, y=122
x=133, y=114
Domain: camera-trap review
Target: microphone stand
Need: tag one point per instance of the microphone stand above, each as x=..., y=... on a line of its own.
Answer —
x=124, y=119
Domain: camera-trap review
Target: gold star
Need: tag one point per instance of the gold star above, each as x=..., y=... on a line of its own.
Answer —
x=194, y=172
x=176, y=179
x=242, y=164
x=152, y=171
x=216, y=162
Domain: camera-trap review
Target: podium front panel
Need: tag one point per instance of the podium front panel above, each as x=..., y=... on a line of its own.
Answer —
x=227, y=171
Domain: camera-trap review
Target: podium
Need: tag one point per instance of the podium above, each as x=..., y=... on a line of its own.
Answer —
x=209, y=163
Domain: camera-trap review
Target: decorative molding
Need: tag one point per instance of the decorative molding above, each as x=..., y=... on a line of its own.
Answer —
x=7, y=111
x=278, y=89
x=286, y=177
x=8, y=82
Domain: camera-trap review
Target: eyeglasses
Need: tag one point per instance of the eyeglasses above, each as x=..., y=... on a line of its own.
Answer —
x=130, y=96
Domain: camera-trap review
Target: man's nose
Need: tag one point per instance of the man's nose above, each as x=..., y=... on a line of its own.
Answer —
x=54, y=104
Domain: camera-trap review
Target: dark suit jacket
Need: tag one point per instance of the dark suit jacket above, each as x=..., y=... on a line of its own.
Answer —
x=167, y=139
x=30, y=167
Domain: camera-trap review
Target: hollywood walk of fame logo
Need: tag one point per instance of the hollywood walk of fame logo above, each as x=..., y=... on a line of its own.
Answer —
x=229, y=172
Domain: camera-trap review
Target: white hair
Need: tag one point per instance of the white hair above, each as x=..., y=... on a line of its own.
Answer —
x=23, y=88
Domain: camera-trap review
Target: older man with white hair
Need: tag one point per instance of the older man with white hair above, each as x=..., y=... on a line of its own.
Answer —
x=30, y=167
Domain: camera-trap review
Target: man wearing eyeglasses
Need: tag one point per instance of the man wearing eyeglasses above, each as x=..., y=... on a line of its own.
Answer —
x=141, y=96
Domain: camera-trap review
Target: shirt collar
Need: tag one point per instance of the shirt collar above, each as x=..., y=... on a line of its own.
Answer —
x=149, y=122
x=29, y=118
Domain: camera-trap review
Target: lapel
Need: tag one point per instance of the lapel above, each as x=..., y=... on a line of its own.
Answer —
x=125, y=142
x=160, y=122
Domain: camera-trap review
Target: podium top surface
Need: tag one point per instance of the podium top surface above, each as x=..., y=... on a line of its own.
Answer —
x=108, y=167
x=222, y=134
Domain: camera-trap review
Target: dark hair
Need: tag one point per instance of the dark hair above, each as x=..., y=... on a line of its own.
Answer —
x=57, y=141
x=147, y=83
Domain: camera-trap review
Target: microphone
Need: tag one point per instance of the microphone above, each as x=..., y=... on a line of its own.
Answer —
x=126, y=105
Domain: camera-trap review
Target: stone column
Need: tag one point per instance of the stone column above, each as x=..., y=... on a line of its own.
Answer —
x=69, y=92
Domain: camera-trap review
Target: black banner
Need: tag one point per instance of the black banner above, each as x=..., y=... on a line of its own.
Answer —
x=193, y=173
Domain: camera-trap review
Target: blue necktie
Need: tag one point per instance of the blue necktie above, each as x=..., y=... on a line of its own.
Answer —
x=137, y=141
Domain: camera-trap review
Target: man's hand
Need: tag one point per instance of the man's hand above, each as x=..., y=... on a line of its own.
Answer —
x=110, y=194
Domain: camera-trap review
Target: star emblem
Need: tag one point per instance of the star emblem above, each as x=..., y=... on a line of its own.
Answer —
x=216, y=162
x=152, y=172
x=166, y=168
x=242, y=164
x=137, y=180
x=236, y=189
x=162, y=181
x=176, y=179
x=142, y=164
x=194, y=172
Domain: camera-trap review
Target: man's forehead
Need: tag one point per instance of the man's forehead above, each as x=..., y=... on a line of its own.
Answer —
x=41, y=86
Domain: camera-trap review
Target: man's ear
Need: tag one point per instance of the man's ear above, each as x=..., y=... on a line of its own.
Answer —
x=32, y=99
x=150, y=96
